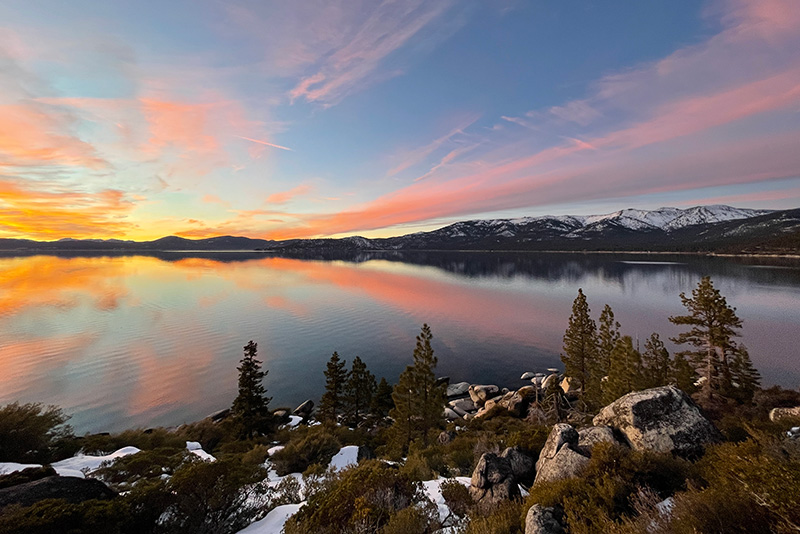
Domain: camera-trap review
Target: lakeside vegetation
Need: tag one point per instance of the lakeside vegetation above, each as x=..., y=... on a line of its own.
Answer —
x=749, y=483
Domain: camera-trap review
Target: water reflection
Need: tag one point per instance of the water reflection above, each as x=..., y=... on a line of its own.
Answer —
x=123, y=340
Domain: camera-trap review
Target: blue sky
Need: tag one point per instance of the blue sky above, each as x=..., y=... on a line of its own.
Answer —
x=300, y=119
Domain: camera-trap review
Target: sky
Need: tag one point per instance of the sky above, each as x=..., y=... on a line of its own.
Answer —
x=276, y=119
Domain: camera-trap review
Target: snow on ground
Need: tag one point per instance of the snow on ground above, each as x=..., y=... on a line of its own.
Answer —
x=345, y=457
x=195, y=448
x=273, y=450
x=274, y=521
x=85, y=464
x=6, y=468
x=294, y=420
x=433, y=489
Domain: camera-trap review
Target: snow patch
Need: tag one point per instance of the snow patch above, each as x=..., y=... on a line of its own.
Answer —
x=274, y=521
x=86, y=464
x=346, y=456
x=433, y=489
x=6, y=468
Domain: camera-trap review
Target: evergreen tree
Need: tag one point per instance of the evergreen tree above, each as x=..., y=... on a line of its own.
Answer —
x=358, y=392
x=625, y=372
x=418, y=400
x=251, y=406
x=607, y=337
x=745, y=377
x=656, y=362
x=331, y=404
x=713, y=325
x=382, y=402
x=683, y=374
x=580, y=347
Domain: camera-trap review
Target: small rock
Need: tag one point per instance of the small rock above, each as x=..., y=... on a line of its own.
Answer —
x=445, y=437
x=450, y=414
x=305, y=409
x=779, y=414
x=547, y=382
x=463, y=404
x=442, y=381
x=541, y=520
x=527, y=376
x=569, y=385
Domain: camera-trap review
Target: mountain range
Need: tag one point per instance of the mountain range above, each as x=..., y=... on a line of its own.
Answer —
x=714, y=228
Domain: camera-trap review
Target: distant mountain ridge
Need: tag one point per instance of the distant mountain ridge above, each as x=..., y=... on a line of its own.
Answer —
x=715, y=228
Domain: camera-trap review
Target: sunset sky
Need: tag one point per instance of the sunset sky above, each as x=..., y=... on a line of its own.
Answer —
x=283, y=119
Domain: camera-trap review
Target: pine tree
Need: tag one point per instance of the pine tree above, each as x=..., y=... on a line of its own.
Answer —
x=382, y=402
x=580, y=347
x=418, y=400
x=713, y=325
x=607, y=337
x=745, y=377
x=331, y=404
x=683, y=374
x=656, y=362
x=251, y=406
x=625, y=372
x=358, y=392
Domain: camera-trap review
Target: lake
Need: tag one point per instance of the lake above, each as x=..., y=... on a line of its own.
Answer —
x=137, y=341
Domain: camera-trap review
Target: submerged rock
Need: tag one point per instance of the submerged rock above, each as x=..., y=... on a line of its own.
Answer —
x=458, y=390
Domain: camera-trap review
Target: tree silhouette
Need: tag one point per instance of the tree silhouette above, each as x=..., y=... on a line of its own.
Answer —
x=251, y=406
x=358, y=392
x=332, y=403
x=580, y=345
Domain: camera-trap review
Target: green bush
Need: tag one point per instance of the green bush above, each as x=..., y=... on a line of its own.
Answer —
x=361, y=498
x=128, y=470
x=154, y=438
x=502, y=519
x=317, y=446
x=26, y=475
x=34, y=433
x=213, y=497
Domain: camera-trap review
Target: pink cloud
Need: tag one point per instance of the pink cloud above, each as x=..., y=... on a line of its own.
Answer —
x=285, y=196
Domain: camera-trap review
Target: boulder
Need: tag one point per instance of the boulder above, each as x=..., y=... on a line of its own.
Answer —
x=523, y=465
x=71, y=489
x=305, y=409
x=570, y=385
x=662, y=419
x=493, y=480
x=541, y=520
x=590, y=436
x=458, y=390
x=445, y=437
x=560, y=457
x=548, y=381
x=527, y=376
x=779, y=414
x=519, y=401
x=481, y=393
x=450, y=414
x=465, y=405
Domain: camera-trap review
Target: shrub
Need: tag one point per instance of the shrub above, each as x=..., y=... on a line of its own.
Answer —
x=26, y=475
x=34, y=433
x=154, y=438
x=420, y=519
x=213, y=497
x=361, y=498
x=502, y=519
x=318, y=446
x=128, y=470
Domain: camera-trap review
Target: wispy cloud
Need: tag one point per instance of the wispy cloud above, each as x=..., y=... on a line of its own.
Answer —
x=285, y=196
x=265, y=143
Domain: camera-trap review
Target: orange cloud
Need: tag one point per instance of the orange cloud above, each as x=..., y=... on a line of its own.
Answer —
x=47, y=211
x=285, y=196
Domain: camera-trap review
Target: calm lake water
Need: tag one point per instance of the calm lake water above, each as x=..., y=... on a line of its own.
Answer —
x=138, y=341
